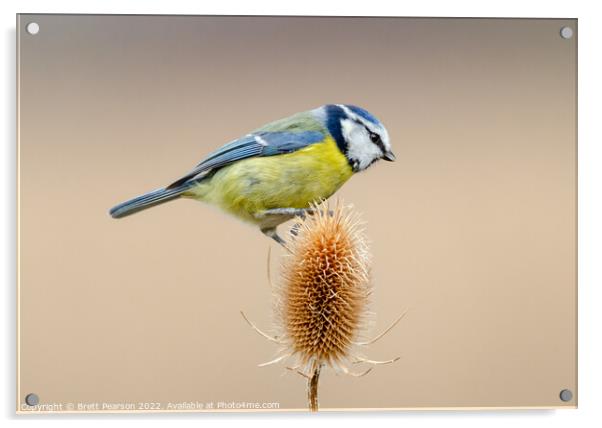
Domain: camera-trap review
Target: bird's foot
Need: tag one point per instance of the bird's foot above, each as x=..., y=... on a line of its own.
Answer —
x=272, y=233
x=295, y=229
x=270, y=219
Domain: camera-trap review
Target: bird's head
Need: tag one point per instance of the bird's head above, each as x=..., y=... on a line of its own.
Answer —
x=361, y=137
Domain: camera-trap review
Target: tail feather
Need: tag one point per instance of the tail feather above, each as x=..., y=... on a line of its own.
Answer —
x=147, y=200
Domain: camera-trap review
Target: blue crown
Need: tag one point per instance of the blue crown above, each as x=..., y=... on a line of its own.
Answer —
x=363, y=113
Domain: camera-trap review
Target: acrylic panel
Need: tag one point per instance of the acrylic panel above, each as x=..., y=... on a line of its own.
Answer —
x=471, y=231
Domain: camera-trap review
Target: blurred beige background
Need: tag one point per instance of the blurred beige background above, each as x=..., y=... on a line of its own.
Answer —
x=472, y=229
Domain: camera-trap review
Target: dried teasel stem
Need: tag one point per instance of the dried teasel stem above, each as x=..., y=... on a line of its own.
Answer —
x=312, y=389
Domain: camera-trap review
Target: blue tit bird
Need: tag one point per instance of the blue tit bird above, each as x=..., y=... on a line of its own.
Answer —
x=277, y=171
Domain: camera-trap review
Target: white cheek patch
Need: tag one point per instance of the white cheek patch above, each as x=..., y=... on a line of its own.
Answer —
x=348, y=129
x=359, y=147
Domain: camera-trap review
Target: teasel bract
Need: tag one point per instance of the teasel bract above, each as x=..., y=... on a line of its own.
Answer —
x=321, y=301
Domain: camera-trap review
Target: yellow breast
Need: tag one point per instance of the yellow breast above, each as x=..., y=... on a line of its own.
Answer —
x=292, y=180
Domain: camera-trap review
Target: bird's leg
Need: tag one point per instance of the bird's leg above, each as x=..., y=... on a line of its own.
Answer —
x=286, y=213
x=270, y=219
x=275, y=216
x=271, y=232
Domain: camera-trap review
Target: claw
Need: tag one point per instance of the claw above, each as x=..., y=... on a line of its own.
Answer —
x=295, y=229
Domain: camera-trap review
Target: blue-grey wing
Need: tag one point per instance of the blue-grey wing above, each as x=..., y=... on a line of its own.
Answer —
x=252, y=145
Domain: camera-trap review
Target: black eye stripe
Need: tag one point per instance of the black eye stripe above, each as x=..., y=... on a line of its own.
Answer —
x=379, y=142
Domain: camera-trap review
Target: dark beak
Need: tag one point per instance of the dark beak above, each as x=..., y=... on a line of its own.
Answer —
x=389, y=156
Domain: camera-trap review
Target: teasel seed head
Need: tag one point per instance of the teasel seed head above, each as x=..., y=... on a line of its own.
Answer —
x=321, y=300
x=324, y=289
